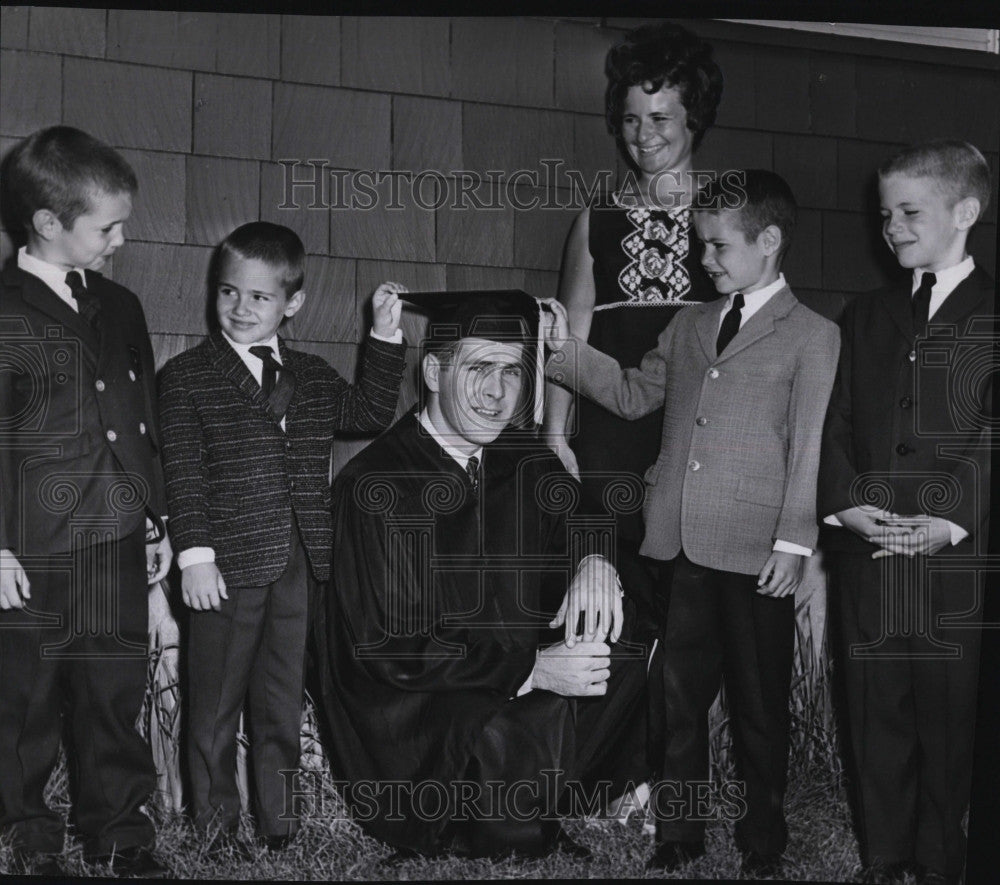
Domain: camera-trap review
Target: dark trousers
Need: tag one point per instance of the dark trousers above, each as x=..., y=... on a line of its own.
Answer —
x=910, y=686
x=718, y=624
x=251, y=650
x=79, y=651
x=555, y=756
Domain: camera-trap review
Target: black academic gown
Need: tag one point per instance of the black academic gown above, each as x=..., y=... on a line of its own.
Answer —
x=431, y=626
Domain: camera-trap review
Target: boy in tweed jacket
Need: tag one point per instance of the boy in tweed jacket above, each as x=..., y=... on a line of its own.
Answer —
x=730, y=506
x=248, y=425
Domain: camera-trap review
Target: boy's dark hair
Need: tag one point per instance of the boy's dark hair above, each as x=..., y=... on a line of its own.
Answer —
x=761, y=198
x=274, y=244
x=60, y=169
x=958, y=167
x=664, y=55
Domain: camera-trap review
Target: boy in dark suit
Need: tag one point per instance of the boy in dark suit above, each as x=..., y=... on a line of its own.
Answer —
x=905, y=477
x=730, y=505
x=80, y=483
x=248, y=427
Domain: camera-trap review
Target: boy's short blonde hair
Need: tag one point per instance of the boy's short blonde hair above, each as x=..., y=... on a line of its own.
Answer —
x=958, y=167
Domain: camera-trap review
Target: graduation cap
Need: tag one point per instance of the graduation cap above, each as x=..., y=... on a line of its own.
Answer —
x=505, y=315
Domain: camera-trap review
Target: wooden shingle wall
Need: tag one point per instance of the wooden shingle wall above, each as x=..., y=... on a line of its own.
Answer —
x=207, y=105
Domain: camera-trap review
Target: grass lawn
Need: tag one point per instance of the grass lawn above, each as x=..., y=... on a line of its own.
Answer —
x=329, y=847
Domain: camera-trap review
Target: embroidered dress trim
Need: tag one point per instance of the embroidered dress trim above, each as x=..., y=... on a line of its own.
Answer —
x=654, y=274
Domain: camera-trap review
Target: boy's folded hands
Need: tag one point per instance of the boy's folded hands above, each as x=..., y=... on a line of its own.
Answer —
x=202, y=586
x=919, y=535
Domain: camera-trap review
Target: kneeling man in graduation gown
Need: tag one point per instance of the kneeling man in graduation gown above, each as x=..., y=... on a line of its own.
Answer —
x=459, y=719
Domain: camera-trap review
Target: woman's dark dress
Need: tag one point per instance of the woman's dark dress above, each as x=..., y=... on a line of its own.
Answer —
x=646, y=268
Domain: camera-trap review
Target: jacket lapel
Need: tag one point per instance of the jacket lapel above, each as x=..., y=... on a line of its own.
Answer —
x=761, y=323
x=900, y=309
x=707, y=326
x=280, y=401
x=227, y=361
x=44, y=300
x=964, y=299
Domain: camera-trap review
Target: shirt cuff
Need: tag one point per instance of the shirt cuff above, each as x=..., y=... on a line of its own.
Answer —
x=789, y=547
x=957, y=532
x=395, y=338
x=195, y=556
x=832, y=520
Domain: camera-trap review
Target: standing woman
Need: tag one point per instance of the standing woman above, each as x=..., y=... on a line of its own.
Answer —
x=632, y=260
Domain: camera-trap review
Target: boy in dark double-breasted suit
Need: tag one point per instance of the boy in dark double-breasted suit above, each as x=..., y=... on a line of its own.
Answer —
x=80, y=482
x=248, y=426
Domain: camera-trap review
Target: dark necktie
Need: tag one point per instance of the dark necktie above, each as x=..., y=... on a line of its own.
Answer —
x=730, y=324
x=922, y=301
x=472, y=468
x=271, y=368
x=86, y=303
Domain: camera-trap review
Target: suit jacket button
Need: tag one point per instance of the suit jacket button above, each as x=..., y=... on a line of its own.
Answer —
x=903, y=449
x=713, y=373
x=694, y=465
x=111, y=435
x=131, y=375
x=906, y=402
x=912, y=356
x=99, y=384
x=701, y=421
x=142, y=427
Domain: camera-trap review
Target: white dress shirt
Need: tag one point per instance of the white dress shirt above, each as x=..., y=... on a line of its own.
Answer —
x=753, y=301
x=460, y=458
x=947, y=281
x=52, y=275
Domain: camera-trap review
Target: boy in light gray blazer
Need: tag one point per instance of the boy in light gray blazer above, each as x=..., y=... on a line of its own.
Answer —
x=730, y=506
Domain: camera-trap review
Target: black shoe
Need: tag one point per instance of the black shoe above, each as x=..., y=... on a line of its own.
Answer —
x=669, y=856
x=135, y=862
x=571, y=848
x=759, y=866
x=37, y=863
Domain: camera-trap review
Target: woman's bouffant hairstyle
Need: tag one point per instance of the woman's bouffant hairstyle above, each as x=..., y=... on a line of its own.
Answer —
x=664, y=54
